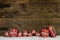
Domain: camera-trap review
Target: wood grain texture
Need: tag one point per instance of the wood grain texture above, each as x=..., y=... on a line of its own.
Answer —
x=29, y=14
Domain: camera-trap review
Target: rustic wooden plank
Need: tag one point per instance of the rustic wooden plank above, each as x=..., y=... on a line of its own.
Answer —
x=30, y=23
x=29, y=14
x=50, y=10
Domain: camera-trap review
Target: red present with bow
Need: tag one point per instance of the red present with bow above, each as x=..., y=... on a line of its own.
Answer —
x=25, y=33
x=29, y=34
x=6, y=34
x=13, y=33
x=52, y=31
x=37, y=34
x=34, y=32
x=45, y=33
x=20, y=34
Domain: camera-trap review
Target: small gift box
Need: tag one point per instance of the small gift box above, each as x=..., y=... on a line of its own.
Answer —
x=37, y=34
x=34, y=32
x=20, y=34
x=25, y=33
x=6, y=34
x=29, y=34
x=52, y=31
x=45, y=33
x=13, y=33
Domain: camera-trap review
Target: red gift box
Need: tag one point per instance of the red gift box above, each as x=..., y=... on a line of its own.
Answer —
x=33, y=31
x=29, y=34
x=52, y=31
x=25, y=33
x=20, y=34
x=13, y=33
x=6, y=34
x=45, y=33
x=37, y=34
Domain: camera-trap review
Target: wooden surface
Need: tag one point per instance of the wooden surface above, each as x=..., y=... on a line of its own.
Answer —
x=29, y=14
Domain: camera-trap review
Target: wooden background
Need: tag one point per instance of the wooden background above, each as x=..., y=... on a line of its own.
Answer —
x=29, y=14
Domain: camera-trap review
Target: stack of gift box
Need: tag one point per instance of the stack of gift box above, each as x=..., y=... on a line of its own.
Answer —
x=45, y=32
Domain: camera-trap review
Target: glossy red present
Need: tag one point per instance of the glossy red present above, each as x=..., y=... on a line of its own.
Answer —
x=37, y=34
x=52, y=31
x=25, y=33
x=20, y=34
x=29, y=34
x=6, y=34
x=33, y=31
x=13, y=33
x=45, y=33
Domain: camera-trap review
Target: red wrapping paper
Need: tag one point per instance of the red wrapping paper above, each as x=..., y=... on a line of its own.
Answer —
x=33, y=31
x=25, y=33
x=37, y=34
x=13, y=33
x=52, y=31
x=20, y=34
x=45, y=33
x=29, y=34
x=6, y=34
